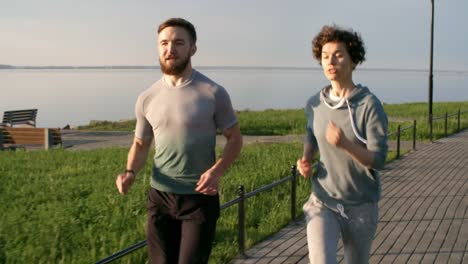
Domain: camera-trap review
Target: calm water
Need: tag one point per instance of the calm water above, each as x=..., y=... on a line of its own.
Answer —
x=77, y=96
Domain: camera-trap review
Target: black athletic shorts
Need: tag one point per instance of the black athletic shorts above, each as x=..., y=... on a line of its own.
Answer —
x=181, y=228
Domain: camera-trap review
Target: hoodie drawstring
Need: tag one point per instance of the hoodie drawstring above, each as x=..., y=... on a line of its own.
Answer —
x=363, y=140
x=340, y=104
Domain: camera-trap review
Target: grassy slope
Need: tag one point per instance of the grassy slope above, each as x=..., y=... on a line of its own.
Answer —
x=62, y=206
x=284, y=122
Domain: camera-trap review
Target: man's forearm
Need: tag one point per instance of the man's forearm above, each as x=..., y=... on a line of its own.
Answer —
x=231, y=152
x=231, y=149
x=137, y=155
x=309, y=152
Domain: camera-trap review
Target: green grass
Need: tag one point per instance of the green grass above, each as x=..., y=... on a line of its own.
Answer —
x=127, y=125
x=62, y=206
x=272, y=122
x=404, y=114
x=292, y=122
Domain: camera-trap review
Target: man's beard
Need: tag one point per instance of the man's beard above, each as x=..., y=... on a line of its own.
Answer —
x=176, y=68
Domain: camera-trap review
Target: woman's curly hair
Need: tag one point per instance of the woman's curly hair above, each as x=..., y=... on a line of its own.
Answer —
x=351, y=39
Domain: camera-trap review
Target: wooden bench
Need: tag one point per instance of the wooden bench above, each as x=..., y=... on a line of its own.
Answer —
x=12, y=137
x=25, y=117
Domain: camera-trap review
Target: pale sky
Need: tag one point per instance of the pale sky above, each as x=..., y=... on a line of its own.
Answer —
x=230, y=33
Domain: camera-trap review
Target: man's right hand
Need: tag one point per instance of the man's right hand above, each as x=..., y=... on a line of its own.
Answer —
x=304, y=167
x=124, y=181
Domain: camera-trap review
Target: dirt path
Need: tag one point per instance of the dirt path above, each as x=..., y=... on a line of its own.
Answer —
x=81, y=140
x=85, y=140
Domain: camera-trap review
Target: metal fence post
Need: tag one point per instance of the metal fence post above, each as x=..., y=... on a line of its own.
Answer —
x=293, y=192
x=398, y=142
x=430, y=129
x=446, y=121
x=458, y=125
x=1, y=139
x=414, y=134
x=241, y=235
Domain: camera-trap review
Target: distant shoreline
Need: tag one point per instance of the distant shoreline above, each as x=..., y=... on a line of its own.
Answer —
x=149, y=67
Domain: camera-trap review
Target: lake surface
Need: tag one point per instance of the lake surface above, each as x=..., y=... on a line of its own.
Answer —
x=77, y=96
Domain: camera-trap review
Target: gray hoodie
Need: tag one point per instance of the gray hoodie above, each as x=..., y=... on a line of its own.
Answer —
x=340, y=179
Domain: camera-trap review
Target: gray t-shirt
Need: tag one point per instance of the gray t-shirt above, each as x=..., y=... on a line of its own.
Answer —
x=183, y=121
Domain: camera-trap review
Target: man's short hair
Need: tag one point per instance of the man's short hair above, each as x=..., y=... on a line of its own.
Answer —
x=180, y=22
x=351, y=39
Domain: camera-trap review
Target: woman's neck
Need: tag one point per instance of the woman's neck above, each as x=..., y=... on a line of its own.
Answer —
x=342, y=89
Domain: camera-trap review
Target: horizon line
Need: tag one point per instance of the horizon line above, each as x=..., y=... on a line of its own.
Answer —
x=13, y=67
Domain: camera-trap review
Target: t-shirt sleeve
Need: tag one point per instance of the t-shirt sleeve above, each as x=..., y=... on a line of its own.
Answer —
x=225, y=116
x=143, y=129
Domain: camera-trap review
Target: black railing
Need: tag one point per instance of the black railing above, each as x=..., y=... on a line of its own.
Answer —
x=123, y=252
x=445, y=118
x=240, y=200
x=398, y=134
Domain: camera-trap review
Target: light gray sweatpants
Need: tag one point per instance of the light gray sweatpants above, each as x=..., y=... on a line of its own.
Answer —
x=355, y=224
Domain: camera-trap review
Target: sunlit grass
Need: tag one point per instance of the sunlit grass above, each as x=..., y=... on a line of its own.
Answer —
x=62, y=206
x=292, y=122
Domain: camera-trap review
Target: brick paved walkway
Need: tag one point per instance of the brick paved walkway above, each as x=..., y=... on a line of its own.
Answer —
x=423, y=212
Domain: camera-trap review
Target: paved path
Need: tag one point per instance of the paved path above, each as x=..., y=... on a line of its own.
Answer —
x=423, y=212
x=83, y=140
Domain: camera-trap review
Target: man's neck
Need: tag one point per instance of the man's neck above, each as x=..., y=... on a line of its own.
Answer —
x=179, y=79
